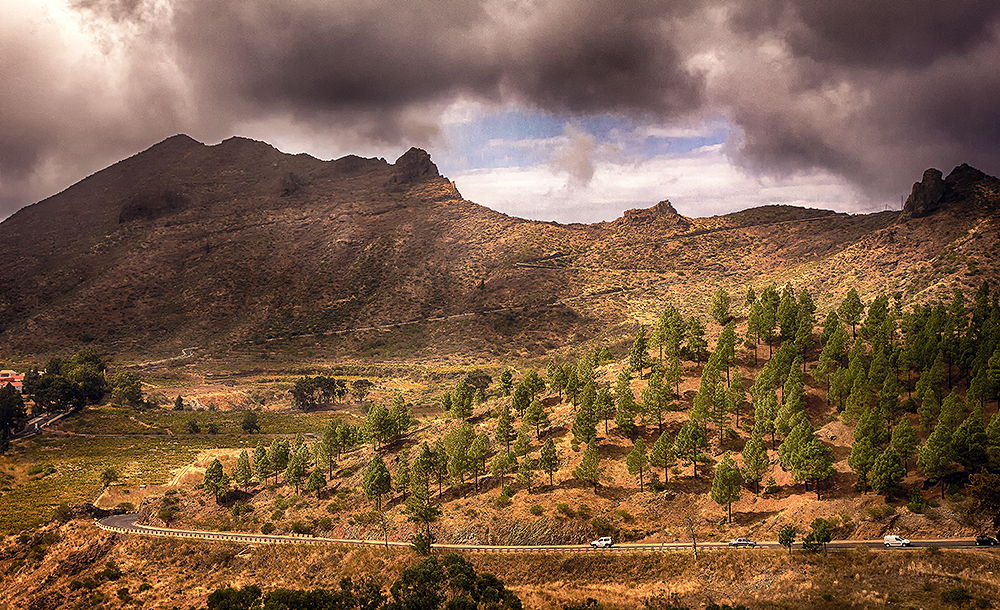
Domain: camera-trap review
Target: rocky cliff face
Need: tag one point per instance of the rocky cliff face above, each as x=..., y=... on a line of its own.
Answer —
x=962, y=186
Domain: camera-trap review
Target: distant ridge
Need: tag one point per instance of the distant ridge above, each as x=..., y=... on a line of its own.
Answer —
x=239, y=244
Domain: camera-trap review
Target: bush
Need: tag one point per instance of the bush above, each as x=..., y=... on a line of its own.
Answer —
x=624, y=515
x=145, y=587
x=583, y=511
x=123, y=594
x=63, y=513
x=302, y=528
x=917, y=503
x=601, y=526
x=564, y=508
x=536, y=510
x=503, y=501
x=267, y=528
x=325, y=524
x=958, y=595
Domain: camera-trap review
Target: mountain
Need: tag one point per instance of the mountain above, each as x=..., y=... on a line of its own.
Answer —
x=239, y=244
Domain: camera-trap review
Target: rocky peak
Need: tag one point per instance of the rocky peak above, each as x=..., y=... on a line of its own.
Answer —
x=934, y=191
x=663, y=210
x=925, y=197
x=414, y=165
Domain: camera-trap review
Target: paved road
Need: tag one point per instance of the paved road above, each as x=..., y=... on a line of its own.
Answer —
x=127, y=524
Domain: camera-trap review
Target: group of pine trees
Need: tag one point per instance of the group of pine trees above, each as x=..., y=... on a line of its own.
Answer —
x=912, y=384
x=937, y=365
x=300, y=464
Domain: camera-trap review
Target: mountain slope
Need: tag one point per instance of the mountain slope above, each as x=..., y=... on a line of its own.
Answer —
x=187, y=244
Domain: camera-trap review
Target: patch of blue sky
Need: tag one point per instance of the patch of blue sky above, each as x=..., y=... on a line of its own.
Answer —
x=521, y=138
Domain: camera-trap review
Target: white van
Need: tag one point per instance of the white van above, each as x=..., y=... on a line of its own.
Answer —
x=896, y=541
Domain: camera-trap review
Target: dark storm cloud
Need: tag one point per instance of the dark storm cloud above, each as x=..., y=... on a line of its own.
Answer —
x=560, y=55
x=873, y=91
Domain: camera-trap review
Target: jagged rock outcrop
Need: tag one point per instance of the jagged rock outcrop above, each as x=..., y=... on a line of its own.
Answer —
x=963, y=186
x=662, y=211
x=414, y=165
x=925, y=197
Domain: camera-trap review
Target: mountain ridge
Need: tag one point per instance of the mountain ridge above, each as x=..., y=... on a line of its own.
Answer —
x=237, y=242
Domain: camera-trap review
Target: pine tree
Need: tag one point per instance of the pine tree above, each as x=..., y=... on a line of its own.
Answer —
x=402, y=474
x=537, y=417
x=904, y=439
x=689, y=444
x=502, y=464
x=505, y=428
x=242, y=473
x=527, y=473
x=261, y=465
x=726, y=484
x=376, y=481
x=765, y=411
x=329, y=444
x=936, y=457
x=604, y=406
x=277, y=455
x=638, y=461
x=589, y=469
x=316, y=481
x=969, y=443
x=816, y=461
x=478, y=453
x=548, y=459
x=584, y=426
x=721, y=408
x=639, y=354
x=850, y=310
x=786, y=537
x=661, y=454
x=215, y=480
x=862, y=459
x=696, y=339
x=887, y=472
x=523, y=442
x=719, y=309
x=295, y=470
x=755, y=461
x=625, y=407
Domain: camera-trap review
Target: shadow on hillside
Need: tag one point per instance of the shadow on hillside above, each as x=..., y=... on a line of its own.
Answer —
x=751, y=517
x=690, y=485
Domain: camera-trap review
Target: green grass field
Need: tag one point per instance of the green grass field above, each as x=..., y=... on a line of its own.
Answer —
x=54, y=468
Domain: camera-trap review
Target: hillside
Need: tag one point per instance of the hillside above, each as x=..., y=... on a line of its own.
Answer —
x=187, y=245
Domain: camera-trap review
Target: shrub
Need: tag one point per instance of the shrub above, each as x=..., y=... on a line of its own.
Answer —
x=601, y=526
x=536, y=510
x=123, y=594
x=325, y=524
x=917, y=503
x=302, y=528
x=63, y=513
x=583, y=511
x=502, y=501
x=110, y=571
x=267, y=528
x=958, y=595
x=145, y=587
x=564, y=508
x=624, y=515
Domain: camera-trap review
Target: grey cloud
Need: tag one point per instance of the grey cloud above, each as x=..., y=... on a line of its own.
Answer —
x=872, y=91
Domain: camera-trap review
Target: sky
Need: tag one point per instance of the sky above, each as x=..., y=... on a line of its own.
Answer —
x=565, y=110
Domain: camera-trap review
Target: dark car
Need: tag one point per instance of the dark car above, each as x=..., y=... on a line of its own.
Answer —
x=985, y=541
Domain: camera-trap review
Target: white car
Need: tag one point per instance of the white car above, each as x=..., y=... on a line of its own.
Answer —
x=742, y=542
x=896, y=541
x=601, y=543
